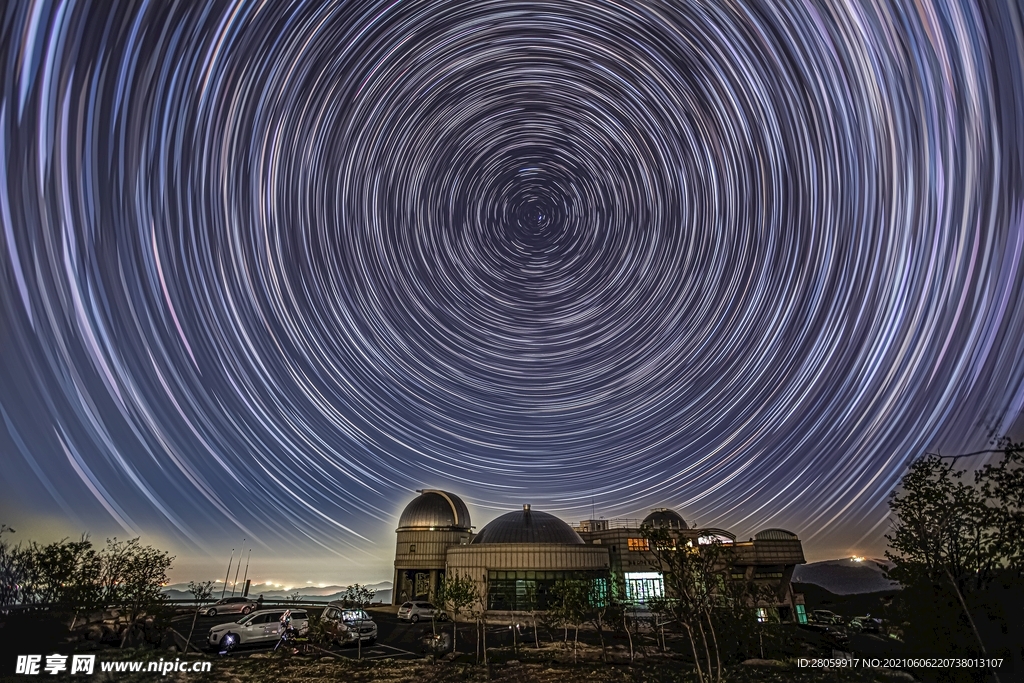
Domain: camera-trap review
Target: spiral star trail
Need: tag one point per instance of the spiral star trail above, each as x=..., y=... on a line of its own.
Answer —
x=269, y=267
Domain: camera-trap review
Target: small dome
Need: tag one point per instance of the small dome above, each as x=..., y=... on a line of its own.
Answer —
x=775, y=535
x=436, y=510
x=664, y=518
x=528, y=526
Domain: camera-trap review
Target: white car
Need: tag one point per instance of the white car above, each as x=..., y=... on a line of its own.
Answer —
x=351, y=624
x=415, y=610
x=264, y=626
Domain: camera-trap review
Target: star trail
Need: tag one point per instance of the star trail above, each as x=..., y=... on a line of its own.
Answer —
x=268, y=267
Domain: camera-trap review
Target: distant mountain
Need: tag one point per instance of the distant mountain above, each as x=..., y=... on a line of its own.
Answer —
x=179, y=591
x=846, y=576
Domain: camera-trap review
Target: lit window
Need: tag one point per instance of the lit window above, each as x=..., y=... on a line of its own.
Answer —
x=644, y=586
x=639, y=544
x=801, y=614
x=762, y=614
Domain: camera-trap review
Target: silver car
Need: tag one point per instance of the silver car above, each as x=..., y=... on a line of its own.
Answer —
x=230, y=606
x=415, y=610
x=264, y=626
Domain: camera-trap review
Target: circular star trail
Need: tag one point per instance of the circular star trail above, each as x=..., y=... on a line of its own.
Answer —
x=270, y=266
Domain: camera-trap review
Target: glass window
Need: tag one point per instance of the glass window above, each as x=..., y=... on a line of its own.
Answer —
x=801, y=614
x=638, y=544
x=644, y=586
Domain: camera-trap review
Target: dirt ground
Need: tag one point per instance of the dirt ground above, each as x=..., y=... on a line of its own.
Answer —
x=548, y=665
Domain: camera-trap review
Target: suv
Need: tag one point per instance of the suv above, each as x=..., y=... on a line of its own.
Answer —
x=263, y=626
x=230, y=606
x=414, y=611
x=350, y=624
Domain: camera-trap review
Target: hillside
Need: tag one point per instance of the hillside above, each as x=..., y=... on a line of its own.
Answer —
x=846, y=576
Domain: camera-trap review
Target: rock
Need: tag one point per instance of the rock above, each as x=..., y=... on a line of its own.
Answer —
x=763, y=662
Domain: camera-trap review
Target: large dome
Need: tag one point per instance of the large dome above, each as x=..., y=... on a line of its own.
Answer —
x=664, y=518
x=435, y=510
x=528, y=526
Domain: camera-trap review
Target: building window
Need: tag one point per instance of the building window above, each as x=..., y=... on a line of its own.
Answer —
x=644, y=586
x=801, y=614
x=530, y=590
x=639, y=544
x=769, y=572
x=762, y=614
x=412, y=547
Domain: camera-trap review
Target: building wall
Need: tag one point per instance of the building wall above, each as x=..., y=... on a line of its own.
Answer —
x=422, y=551
x=476, y=560
x=766, y=562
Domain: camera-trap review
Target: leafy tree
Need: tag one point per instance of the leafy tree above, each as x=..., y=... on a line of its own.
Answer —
x=201, y=592
x=456, y=594
x=133, y=577
x=360, y=596
x=694, y=576
x=570, y=603
x=12, y=570
x=606, y=610
x=951, y=536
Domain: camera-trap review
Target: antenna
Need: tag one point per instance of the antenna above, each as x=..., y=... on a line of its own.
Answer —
x=228, y=573
x=237, y=567
x=246, y=575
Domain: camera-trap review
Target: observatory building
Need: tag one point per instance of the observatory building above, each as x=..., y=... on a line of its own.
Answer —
x=517, y=558
x=428, y=527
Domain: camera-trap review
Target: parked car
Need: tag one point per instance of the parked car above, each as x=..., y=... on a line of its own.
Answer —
x=350, y=624
x=264, y=626
x=415, y=610
x=866, y=624
x=230, y=606
x=831, y=636
x=824, y=616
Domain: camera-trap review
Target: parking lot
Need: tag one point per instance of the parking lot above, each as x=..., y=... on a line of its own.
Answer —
x=395, y=639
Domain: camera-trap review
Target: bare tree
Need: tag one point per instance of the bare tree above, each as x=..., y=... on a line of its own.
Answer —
x=201, y=592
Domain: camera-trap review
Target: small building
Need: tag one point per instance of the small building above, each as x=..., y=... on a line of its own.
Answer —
x=518, y=558
x=768, y=558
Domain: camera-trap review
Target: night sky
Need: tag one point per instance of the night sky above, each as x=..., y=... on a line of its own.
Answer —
x=269, y=267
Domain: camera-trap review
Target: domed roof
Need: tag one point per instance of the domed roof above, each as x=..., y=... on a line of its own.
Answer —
x=435, y=510
x=664, y=518
x=528, y=526
x=775, y=535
